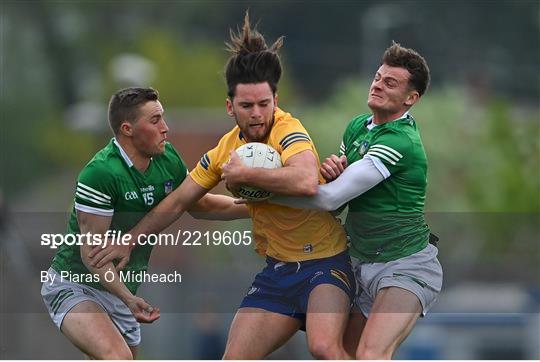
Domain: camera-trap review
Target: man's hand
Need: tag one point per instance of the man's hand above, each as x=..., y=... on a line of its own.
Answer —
x=232, y=172
x=333, y=166
x=99, y=256
x=142, y=311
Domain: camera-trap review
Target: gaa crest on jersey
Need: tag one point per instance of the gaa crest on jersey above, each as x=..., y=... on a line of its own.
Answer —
x=308, y=248
x=364, y=146
x=168, y=185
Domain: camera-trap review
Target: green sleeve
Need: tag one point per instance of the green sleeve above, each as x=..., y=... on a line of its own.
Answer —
x=393, y=148
x=345, y=140
x=95, y=190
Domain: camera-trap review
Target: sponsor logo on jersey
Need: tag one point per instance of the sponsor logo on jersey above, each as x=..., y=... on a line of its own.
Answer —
x=168, y=185
x=148, y=188
x=131, y=195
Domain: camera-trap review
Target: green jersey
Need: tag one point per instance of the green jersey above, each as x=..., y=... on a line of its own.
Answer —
x=110, y=185
x=387, y=222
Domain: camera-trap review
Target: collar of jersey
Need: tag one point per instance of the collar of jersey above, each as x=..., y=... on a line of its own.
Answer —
x=123, y=153
x=404, y=116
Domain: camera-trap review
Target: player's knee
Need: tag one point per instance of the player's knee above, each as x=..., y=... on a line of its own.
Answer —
x=372, y=352
x=372, y=355
x=322, y=349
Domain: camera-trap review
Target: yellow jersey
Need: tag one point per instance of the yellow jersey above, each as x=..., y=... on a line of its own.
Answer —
x=281, y=232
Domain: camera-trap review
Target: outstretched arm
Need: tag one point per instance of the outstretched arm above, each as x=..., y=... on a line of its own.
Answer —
x=170, y=208
x=157, y=219
x=218, y=207
x=356, y=179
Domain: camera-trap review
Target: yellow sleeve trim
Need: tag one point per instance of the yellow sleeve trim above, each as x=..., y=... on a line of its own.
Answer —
x=295, y=148
x=202, y=177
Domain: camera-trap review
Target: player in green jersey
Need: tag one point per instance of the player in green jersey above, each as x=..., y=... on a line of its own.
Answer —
x=397, y=271
x=96, y=311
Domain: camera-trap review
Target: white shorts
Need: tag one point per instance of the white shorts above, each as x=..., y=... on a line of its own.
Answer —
x=61, y=296
x=420, y=273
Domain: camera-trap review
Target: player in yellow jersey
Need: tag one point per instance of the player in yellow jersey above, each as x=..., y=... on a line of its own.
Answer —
x=308, y=281
x=309, y=235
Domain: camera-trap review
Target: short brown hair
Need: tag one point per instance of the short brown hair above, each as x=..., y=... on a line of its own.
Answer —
x=124, y=105
x=251, y=60
x=398, y=56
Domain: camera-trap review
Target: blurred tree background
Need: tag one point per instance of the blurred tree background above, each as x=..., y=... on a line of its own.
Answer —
x=61, y=60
